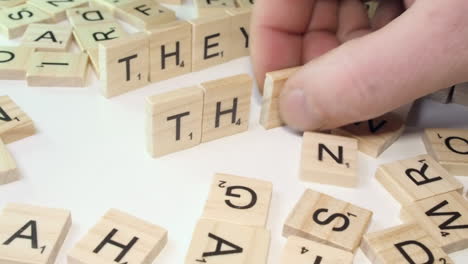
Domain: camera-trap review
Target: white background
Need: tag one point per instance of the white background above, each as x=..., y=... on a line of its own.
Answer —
x=89, y=155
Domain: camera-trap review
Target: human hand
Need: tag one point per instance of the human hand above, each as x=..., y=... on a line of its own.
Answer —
x=356, y=69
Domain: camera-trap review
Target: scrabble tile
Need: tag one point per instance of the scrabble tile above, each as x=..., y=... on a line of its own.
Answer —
x=449, y=147
x=13, y=21
x=327, y=220
x=274, y=83
x=211, y=37
x=376, y=135
x=443, y=96
x=222, y=243
x=174, y=120
x=57, y=69
x=57, y=8
x=416, y=179
x=240, y=32
x=145, y=14
x=226, y=108
x=124, y=64
x=444, y=217
x=14, y=123
x=206, y=8
x=402, y=245
x=119, y=238
x=88, y=16
x=329, y=159
x=302, y=251
x=13, y=62
x=44, y=37
x=239, y=200
x=8, y=170
x=170, y=50
x=11, y=3
x=245, y=3
x=460, y=94
x=110, y=5
x=88, y=38
x=32, y=234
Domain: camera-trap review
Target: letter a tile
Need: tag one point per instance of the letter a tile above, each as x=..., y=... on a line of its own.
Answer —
x=15, y=124
x=402, y=245
x=45, y=37
x=124, y=64
x=329, y=159
x=444, y=217
x=224, y=243
x=31, y=234
x=302, y=251
x=119, y=238
x=174, y=120
x=416, y=178
x=227, y=106
x=239, y=200
x=449, y=147
x=327, y=220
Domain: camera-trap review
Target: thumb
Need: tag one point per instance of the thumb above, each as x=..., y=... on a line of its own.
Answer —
x=423, y=50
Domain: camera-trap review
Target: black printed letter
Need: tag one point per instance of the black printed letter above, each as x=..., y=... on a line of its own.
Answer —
x=164, y=56
x=108, y=240
x=232, y=111
x=231, y=189
x=127, y=64
x=400, y=247
x=209, y=46
x=19, y=234
x=178, y=118
x=330, y=219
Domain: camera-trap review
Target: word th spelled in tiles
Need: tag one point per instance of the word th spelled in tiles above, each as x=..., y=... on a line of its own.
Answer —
x=119, y=238
x=375, y=135
x=274, y=84
x=239, y=200
x=402, y=245
x=45, y=37
x=15, y=124
x=449, y=147
x=13, y=62
x=329, y=159
x=327, y=220
x=32, y=234
x=224, y=243
x=61, y=69
x=8, y=170
x=302, y=251
x=416, y=178
x=444, y=217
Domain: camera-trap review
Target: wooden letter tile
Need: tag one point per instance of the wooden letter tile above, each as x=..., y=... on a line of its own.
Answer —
x=61, y=69
x=14, y=123
x=207, y=8
x=274, y=83
x=119, y=238
x=211, y=41
x=57, y=8
x=13, y=62
x=8, y=171
x=31, y=234
x=240, y=32
x=416, y=178
x=402, y=245
x=11, y=3
x=460, y=94
x=110, y=5
x=224, y=243
x=449, y=147
x=88, y=16
x=227, y=106
x=302, y=251
x=13, y=21
x=174, y=120
x=145, y=14
x=327, y=220
x=329, y=159
x=239, y=200
x=45, y=37
x=444, y=217
x=124, y=64
x=375, y=135
x=170, y=50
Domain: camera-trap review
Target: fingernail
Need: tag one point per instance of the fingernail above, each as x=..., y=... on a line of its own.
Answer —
x=297, y=112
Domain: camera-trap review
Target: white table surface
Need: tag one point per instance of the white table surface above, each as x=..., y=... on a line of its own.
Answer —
x=89, y=155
